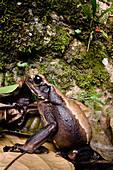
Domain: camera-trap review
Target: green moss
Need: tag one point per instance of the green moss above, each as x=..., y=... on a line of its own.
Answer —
x=9, y=78
x=61, y=40
x=97, y=107
x=89, y=70
x=20, y=34
x=17, y=44
x=88, y=78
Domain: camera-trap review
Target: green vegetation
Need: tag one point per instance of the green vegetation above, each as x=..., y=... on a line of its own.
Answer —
x=61, y=40
x=35, y=33
x=19, y=64
x=91, y=12
x=89, y=70
x=25, y=35
x=86, y=98
x=8, y=89
x=52, y=81
x=92, y=17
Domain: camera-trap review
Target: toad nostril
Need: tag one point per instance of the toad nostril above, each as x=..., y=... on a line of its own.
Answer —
x=29, y=79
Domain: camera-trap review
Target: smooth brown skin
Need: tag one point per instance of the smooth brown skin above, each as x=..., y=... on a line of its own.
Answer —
x=62, y=118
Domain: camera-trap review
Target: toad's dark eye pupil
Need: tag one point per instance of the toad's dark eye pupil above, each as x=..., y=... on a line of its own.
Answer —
x=37, y=79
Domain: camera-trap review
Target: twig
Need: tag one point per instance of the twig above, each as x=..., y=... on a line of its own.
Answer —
x=90, y=39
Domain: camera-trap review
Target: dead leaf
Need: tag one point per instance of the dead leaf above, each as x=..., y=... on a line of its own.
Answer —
x=26, y=161
x=85, y=109
x=100, y=141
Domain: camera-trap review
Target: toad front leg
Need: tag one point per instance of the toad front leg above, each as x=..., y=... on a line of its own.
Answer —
x=33, y=144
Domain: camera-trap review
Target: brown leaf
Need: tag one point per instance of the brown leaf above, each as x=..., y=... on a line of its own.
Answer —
x=26, y=161
x=100, y=141
x=85, y=109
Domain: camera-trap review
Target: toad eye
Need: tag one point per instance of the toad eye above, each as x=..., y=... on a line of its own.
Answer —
x=38, y=79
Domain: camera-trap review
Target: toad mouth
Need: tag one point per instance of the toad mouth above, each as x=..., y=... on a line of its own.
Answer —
x=33, y=90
